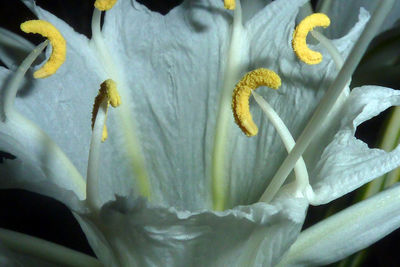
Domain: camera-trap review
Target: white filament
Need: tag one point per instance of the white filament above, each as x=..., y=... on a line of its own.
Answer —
x=300, y=169
x=92, y=186
x=330, y=47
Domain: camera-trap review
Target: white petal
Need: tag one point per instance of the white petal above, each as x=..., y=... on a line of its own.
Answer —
x=347, y=232
x=343, y=17
x=62, y=104
x=251, y=7
x=141, y=234
x=347, y=163
x=38, y=165
x=173, y=66
x=270, y=33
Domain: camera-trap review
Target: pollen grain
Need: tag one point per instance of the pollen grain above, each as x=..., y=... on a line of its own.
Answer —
x=104, y=5
x=299, y=43
x=230, y=4
x=57, y=41
x=241, y=95
x=107, y=92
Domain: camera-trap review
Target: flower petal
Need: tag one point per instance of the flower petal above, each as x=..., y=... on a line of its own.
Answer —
x=37, y=165
x=251, y=7
x=61, y=105
x=347, y=163
x=174, y=91
x=347, y=232
x=302, y=87
x=141, y=234
x=342, y=16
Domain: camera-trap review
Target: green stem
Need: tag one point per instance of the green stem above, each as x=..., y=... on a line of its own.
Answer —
x=219, y=178
x=45, y=250
x=328, y=236
x=388, y=142
x=329, y=99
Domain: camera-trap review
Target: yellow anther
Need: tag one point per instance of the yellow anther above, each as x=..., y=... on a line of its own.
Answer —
x=299, y=43
x=107, y=92
x=241, y=95
x=104, y=5
x=57, y=41
x=230, y=4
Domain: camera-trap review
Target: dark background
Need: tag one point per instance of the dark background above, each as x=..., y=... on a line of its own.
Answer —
x=48, y=219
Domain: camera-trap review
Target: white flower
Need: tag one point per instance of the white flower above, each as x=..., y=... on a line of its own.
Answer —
x=173, y=149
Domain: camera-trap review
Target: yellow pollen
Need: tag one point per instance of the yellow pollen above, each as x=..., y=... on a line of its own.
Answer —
x=108, y=91
x=240, y=98
x=57, y=41
x=230, y=4
x=104, y=5
x=299, y=43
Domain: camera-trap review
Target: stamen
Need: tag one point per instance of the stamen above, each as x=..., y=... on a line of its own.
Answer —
x=10, y=91
x=302, y=185
x=57, y=41
x=132, y=146
x=104, y=5
x=299, y=43
x=108, y=91
x=330, y=98
x=107, y=95
x=219, y=177
x=330, y=47
x=241, y=95
x=230, y=4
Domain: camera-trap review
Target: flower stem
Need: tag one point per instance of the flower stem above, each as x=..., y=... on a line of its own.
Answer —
x=126, y=120
x=219, y=181
x=329, y=99
x=46, y=250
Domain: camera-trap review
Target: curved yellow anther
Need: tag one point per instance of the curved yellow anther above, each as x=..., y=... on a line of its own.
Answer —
x=230, y=4
x=241, y=95
x=57, y=41
x=299, y=43
x=104, y=5
x=107, y=92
